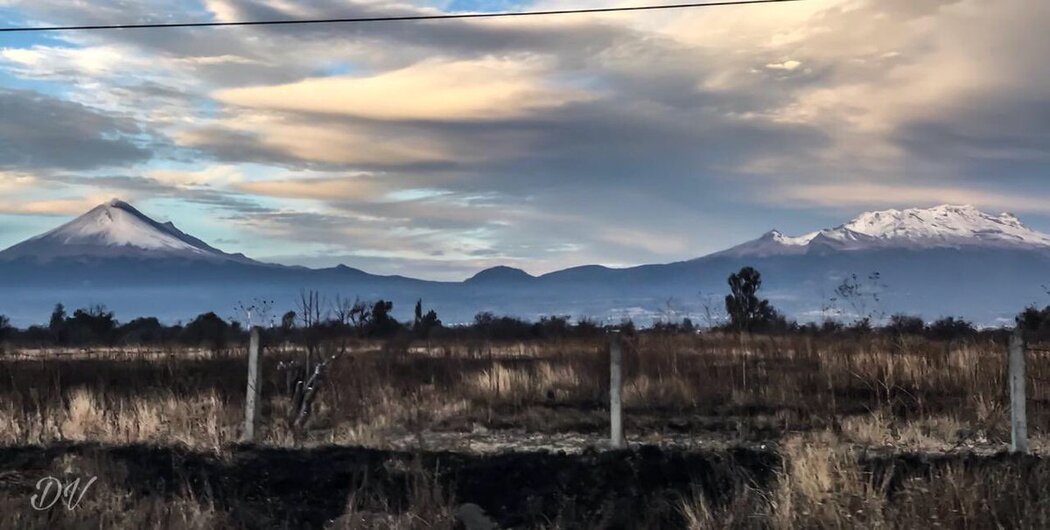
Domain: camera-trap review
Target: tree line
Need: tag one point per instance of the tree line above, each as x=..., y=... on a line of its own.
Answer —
x=312, y=322
x=748, y=313
x=315, y=319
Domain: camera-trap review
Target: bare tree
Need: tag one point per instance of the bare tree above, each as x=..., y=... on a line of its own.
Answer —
x=309, y=307
x=257, y=312
x=669, y=315
x=306, y=391
x=714, y=314
x=864, y=297
x=342, y=309
x=361, y=316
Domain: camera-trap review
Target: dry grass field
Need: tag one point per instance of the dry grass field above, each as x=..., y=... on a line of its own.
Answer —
x=792, y=431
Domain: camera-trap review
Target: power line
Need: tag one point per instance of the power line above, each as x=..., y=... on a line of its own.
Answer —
x=387, y=18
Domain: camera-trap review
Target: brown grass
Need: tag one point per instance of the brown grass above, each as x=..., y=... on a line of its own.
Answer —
x=824, y=404
x=876, y=391
x=88, y=415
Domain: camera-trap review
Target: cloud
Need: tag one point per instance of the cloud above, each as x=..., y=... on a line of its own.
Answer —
x=867, y=195
x=485, y=89
x=549, y=142
x=11, y=182
x=39, y=132
x=305, y=142
x=788, y=65
x=211, y=175
x=331, y=188
x=137, y=187
x=58, y=62
x=57, y=207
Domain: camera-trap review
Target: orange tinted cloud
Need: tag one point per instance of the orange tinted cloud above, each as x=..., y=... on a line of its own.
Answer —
x=317, y=188
x=72, y=206
x=429, y=90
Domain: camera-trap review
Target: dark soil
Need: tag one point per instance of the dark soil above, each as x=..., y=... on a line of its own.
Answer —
x=636, y=488
x=307, y=488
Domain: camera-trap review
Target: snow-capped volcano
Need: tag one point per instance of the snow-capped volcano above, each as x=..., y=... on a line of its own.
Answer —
x=917, y=228
x=946, y=260
x=116, y=229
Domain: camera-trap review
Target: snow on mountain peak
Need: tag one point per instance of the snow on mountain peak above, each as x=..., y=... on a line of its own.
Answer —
x=117, y=223
x=946, y=225
x=115, y=229
x=779, y=237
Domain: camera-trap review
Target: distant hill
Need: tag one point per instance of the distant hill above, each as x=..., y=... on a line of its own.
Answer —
x=945, y=260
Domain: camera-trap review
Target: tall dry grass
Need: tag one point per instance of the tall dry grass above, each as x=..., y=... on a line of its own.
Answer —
x=829, y=406
x=824, y=484
x=89, y=415
x=874, y=390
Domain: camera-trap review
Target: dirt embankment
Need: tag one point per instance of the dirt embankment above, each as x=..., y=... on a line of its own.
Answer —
x=309, y=488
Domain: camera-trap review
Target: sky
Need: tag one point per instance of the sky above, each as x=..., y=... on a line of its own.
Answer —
x=436, y=149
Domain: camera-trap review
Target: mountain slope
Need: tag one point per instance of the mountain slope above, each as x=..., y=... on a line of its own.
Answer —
x=946, y=260
x=499, y=274
x=116, y=229
x=944, y=226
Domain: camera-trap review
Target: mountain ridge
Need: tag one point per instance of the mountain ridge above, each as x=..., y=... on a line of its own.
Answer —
x=948, y=258
x=945, y=225
x=116, y=228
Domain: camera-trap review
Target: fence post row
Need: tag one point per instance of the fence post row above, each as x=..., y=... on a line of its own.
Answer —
x=1018, y=418
x=615, y=391
x=251, y=401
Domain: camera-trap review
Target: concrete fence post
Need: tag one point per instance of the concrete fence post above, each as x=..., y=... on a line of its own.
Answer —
x=615, y=392
x=1018, y=417
x=251, y=400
